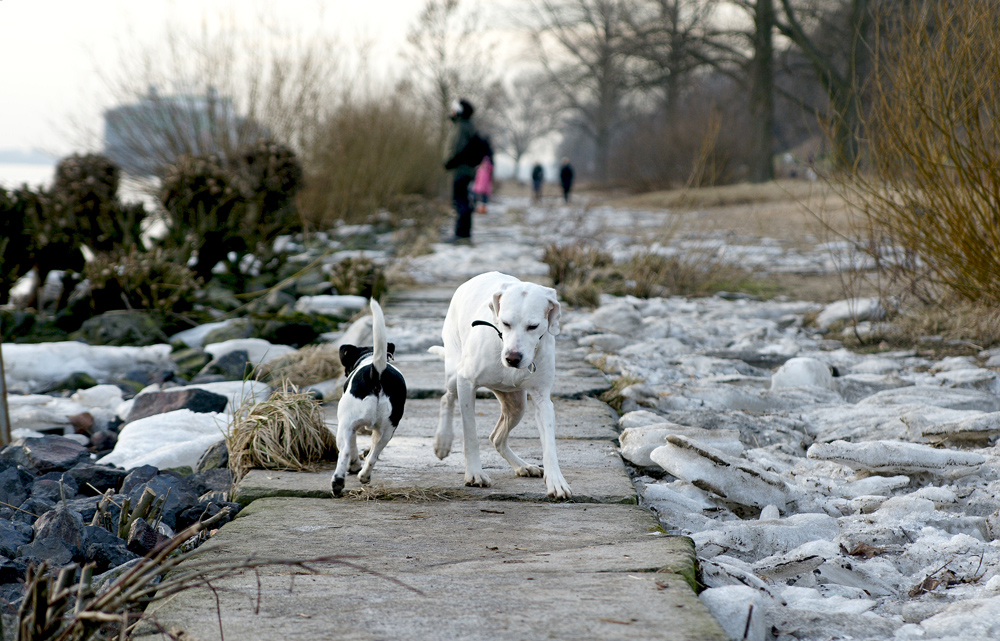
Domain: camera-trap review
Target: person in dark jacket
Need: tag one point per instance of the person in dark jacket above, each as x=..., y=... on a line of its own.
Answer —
x=537, y=177
x=566, y=178
x=459, y=163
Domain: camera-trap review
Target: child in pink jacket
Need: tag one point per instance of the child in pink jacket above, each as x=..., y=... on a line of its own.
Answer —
x=482, y=187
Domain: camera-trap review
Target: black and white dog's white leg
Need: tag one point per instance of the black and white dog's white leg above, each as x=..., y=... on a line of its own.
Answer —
x=380, y=438
x=347, y=455
x=512, y=405
x=545, y=416
x=445, y=435
x=474, y=474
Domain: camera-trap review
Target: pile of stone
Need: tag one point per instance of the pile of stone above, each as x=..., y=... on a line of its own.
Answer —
x=830, y=494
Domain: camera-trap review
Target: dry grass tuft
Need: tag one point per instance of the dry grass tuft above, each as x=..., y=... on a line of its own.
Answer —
x=285, y=432
x=613, y=396
x=959, y=328
x=307, y=366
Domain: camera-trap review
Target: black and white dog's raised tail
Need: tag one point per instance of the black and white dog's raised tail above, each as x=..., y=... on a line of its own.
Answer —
x=373, y=399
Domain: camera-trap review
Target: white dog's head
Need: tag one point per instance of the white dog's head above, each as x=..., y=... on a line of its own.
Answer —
x=526, y=313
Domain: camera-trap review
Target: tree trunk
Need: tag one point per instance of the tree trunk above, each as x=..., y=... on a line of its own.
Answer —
x=762, y=94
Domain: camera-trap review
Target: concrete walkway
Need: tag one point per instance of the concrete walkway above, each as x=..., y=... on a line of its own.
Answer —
x=449, y=562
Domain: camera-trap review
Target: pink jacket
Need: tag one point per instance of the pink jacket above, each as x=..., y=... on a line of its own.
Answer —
x=484, y=178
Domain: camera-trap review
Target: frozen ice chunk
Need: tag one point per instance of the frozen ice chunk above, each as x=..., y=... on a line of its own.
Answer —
x=951, y=398
x=897, y=457
x=39, y=364
x=872, y=485
x=980, y=430
x=343, y=305
x=752, y=540
x=638, y=418
x=170, y=440
x=732, y=606
x=801, y=372
x=637, y=443
x=734, y=480
x=258, y=350
x=851, y=309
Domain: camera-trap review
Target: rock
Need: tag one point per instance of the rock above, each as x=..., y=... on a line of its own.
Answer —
x=231, y=366
x=854, y=387
x=287, y=332
x=800, y=371
x=170, y=440
x=739, y=610
x=95, y=479
x=104, y=549
x=45, y=454
x=179, y=495
x=86, y=507
x=15, y=483
x=13, y=571
x=359, y=333
x=53, y=551
x=216, y=479
x=195, y=336
x=142, y=538
x=190, y=361
x=956, y=399
x=752, y=540
x=339, y=305
x=83, y=422
x=61, y=524
x=103, y=441
x=72, y=382
x=237, y=328
x=852, y=309
x=204, y=511
x=121, y=328
x=637, y=443
x=32, y=508
x=193, y=399
x=897, y=457
x=619, y=317
x=53, y=490
x=138, y=476
x=735, y=481
x=216, y=456
x=258, y=350
x=12, y=536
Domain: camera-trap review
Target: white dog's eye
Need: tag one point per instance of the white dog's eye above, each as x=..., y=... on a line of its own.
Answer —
x=532, y=328
x=507, y=325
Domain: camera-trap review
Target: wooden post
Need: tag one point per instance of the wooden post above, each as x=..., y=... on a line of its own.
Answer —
x=4, y=414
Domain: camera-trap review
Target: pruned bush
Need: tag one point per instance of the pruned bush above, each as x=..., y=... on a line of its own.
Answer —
x=359, y=277
x=154, y=281
x=285, y=432
x=927, y=189
x=366, y=154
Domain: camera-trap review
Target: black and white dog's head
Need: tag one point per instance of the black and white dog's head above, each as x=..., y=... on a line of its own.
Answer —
x=351, y=355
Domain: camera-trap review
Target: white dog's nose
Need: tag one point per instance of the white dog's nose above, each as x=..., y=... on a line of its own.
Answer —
x=513, y=359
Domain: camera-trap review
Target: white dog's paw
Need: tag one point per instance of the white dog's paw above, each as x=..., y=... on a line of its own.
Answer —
x=557, y=486
x=355, y=466
x=365, y=477
x=528, y=470
x=442, y=446
x=478, y=480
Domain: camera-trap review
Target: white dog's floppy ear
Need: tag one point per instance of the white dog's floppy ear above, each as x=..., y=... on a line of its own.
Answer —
x=495, y=303
x=554, y=312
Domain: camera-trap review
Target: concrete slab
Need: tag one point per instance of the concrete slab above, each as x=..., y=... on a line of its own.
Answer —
x=593, y=468
x=466, y=570
x=586, y=418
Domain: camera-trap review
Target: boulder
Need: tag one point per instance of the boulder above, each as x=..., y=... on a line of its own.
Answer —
x=213, y=480
x=235, y=329
x=179, y=495
x=45, y=454
x=802, y=372
x=850, y=310
x=121, y=328
x=92, y=479
x=69, y=383
x=187, y=398
x=142, y=538
x=61, y=524
x=215, y=456
x=52, y=551
x=15, y=484
x=231, y=366
x=12, y=536
x=104, y=549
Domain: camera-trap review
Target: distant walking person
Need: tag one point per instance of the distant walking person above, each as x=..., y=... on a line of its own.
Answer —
x=537, y=176
x=463, y=162
x=566, y=178
x=482, y=187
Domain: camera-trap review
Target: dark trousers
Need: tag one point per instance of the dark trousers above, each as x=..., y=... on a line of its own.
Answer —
x=460, y=197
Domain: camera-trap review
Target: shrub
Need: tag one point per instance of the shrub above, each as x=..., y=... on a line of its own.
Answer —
x=927, y=193
x=360, y=277
x=366, y=154
x=15, y=240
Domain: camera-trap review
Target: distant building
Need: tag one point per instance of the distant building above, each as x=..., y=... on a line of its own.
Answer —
x=144, y=137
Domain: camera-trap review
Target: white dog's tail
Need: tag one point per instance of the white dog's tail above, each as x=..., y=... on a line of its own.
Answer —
x=437, y=350
x=380, y=348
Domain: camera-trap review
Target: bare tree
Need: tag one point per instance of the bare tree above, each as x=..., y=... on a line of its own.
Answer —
x=215, y=92
x=583, y=45
x=528, y=113
x=450, y=59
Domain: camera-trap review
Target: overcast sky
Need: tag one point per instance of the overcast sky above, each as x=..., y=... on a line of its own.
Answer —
x=53, y=52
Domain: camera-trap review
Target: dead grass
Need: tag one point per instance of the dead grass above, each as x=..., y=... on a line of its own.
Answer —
x=613, y=396
x=404, y=494
x=285, y=432
x=306, y=366
x=960, y=327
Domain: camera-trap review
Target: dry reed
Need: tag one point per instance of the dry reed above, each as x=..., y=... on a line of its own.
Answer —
x=306, y=366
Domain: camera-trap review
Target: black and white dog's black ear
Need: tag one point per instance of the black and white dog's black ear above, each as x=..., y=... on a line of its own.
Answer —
x=390, y=349
x=349, y=356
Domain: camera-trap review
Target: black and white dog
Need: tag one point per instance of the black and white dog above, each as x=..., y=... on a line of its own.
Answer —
x=373, y=400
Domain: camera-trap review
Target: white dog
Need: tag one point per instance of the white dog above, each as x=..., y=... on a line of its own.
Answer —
x=499, y=333
x=374, y=396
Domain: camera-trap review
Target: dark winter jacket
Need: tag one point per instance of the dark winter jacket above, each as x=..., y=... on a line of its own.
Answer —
x=463, y=133
x=566, y=177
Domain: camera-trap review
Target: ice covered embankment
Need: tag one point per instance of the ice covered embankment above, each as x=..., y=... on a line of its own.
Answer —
x=843, y=495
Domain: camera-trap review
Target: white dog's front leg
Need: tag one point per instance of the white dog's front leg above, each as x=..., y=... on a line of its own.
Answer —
x=380, y=438
x=474, y=474
x=444, y=435
x=545, y=418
